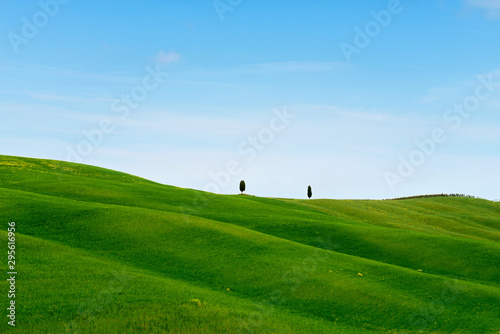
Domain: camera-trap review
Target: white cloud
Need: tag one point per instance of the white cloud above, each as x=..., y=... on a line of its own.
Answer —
x=492, y=6
x=290, y=66
x=437, y=94
x=459, y=89
x=172, y=123
x=83, y=98
x=167, y=58
x=489, y=4
x=50, y=72
x=280, y=67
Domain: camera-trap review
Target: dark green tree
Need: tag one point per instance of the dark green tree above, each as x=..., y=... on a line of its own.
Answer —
x=309, y=192
x=242, y=186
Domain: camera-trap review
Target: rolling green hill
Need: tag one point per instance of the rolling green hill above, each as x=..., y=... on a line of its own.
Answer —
x=99, y=251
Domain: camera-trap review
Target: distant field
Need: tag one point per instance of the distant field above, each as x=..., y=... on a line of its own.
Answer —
x=98, y=251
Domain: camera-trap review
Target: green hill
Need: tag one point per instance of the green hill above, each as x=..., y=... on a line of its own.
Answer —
x=99, y=251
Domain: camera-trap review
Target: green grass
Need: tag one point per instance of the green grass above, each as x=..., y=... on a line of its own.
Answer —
x=100, y=251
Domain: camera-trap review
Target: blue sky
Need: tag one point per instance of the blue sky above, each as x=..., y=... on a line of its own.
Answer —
x=220, y=91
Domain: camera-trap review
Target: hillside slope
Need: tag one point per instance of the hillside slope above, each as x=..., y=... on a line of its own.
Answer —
x=103, y=251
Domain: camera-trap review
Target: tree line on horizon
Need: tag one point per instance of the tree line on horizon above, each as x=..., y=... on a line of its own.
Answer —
x=432, y=195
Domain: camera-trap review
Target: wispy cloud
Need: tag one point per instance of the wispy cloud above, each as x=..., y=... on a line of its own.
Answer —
x=51, y=96
x=163, y=58
x=48, y=72
x=495, y=73
x=280, y=67
x=456, y=89
x=491, y=6
x=291, y=66
x=436, y=94
x=358, y=115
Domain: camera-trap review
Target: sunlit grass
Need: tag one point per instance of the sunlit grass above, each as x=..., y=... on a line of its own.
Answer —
x=204, y=263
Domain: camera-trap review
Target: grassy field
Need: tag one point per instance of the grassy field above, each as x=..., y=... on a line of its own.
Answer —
x=99, y=251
